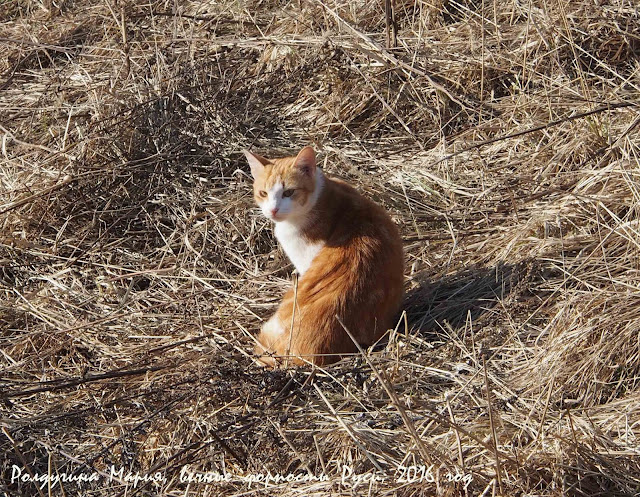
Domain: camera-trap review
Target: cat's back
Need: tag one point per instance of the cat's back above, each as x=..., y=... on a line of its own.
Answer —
x=361, y=245
x=357, y=219
x=358, y=274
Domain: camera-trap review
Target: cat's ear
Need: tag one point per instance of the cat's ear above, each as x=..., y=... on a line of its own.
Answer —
x=257, y=163
x=306, y=161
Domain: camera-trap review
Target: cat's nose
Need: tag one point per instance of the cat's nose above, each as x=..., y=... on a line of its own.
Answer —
x=274, y=211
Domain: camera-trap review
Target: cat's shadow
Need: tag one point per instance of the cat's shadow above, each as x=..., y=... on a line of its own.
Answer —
x=467, y=296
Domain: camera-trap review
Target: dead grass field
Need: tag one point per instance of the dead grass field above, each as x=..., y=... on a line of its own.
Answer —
x=502, y=135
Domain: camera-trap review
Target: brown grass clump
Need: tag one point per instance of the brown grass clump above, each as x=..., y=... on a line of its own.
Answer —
x=134, y=270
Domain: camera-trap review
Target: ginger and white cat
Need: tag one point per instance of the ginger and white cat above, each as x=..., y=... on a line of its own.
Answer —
x=348, y=255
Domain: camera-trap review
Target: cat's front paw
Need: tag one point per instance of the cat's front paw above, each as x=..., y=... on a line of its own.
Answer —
x=269, y=340
x=265, y=357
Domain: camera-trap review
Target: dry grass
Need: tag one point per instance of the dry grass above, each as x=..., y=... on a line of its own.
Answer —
x=503, y=136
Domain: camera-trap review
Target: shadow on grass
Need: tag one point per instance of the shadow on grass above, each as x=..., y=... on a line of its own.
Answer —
x=462, y=297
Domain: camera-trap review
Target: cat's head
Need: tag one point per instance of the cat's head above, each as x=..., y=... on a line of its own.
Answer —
x=287, y=188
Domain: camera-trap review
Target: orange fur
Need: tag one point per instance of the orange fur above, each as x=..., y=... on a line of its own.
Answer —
x=356, y=272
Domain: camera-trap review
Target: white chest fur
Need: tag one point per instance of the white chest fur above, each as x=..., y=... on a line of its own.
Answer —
x=300, y=251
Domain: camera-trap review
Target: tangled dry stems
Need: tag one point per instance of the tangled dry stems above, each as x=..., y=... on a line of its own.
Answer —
x=502, y=136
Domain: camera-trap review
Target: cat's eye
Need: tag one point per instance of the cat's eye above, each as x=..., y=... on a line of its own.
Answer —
x=262, y=193
x=288, y=193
